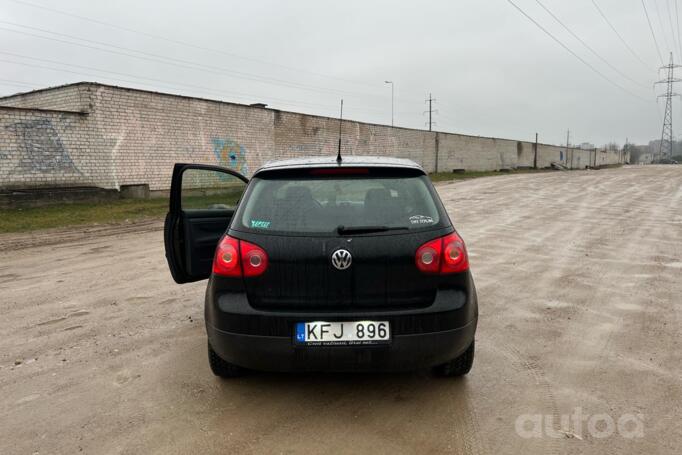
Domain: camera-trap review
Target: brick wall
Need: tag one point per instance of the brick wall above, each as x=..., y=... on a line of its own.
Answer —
x=298, y=135
x=90, y=134
x=481, y=153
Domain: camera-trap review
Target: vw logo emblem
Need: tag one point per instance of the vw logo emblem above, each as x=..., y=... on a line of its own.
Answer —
x=341, y=259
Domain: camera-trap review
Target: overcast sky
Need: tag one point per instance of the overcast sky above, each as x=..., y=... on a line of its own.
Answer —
x=492, y=71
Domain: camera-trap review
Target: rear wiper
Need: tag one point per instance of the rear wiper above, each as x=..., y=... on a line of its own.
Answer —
x=343, y=230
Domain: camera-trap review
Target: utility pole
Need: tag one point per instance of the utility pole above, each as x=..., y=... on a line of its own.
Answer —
x=430, y=100
x=535, y=157
x=625, y=151
x=392, y=98
x=568, y=135
x=666, y=146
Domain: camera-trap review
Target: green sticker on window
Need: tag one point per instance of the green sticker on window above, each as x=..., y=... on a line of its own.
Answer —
x=260, y=224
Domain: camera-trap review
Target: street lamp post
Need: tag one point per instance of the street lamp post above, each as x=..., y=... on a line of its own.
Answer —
x=391, y=82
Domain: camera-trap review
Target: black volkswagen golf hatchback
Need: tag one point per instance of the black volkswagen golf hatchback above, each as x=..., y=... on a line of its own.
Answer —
x=318, y=264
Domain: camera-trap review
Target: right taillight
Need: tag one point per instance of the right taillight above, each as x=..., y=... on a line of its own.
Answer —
x=254, y=259
x=236, y=258
x=443, y=255
x=455, y=258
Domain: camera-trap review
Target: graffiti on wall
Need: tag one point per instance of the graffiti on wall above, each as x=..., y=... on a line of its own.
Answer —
x=41, y=149
x=230, y=154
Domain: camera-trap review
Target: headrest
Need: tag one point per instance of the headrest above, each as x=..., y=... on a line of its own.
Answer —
x=377, y=195
x=298, y=193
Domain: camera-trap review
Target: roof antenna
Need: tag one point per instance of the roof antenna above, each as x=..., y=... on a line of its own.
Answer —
x=338, y=155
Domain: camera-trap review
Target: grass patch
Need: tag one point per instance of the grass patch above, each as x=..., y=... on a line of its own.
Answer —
x=448, y=176
x=61, y=215
x=29, y=219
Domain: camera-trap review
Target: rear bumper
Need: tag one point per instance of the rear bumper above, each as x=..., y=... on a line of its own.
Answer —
x=264, y=340
x=404, y=353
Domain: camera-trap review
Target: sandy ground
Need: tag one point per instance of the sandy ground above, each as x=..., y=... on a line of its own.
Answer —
x=579, y=277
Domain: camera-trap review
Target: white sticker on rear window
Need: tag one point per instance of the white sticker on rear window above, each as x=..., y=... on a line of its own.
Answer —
x=421, y=219
x=259, y=224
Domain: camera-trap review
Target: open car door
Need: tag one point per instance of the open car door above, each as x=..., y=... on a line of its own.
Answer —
x=203, y=200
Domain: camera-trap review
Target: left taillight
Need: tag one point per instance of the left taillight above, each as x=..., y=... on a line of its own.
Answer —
x=236, y=258
x=443, y=255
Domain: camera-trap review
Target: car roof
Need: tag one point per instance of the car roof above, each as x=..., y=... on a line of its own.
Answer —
x=347, y=161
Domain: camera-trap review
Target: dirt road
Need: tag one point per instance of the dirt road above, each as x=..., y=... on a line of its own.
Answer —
x=579, y=276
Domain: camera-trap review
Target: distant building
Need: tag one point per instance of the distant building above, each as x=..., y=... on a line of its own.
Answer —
x=655, y=146
x=641, y=154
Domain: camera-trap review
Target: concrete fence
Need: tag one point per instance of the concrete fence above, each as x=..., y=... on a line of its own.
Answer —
x=90, y=134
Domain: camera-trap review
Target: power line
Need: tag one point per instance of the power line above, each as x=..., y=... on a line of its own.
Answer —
x=15, y=83
x=589, y=47
x=677, y=20
x=184, y=43
x=658, y=49
x=186, y=64
x=446, y=117
x=619, y=35
x=583, y=61
x=672, y=29
x=660, y=24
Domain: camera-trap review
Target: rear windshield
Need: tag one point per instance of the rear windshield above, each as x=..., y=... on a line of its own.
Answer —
x=322, y=205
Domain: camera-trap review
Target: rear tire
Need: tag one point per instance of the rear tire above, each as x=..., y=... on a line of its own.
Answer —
x=222, y=368
x=458, y=366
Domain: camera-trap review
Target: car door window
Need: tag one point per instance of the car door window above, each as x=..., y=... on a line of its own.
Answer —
x=210, y=190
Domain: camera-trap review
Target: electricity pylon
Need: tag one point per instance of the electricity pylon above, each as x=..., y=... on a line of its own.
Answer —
x=665, y=148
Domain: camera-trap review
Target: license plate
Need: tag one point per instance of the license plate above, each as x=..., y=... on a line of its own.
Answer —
x=342, y=333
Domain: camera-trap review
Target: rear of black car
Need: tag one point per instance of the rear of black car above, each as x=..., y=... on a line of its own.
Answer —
x=367, y=250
